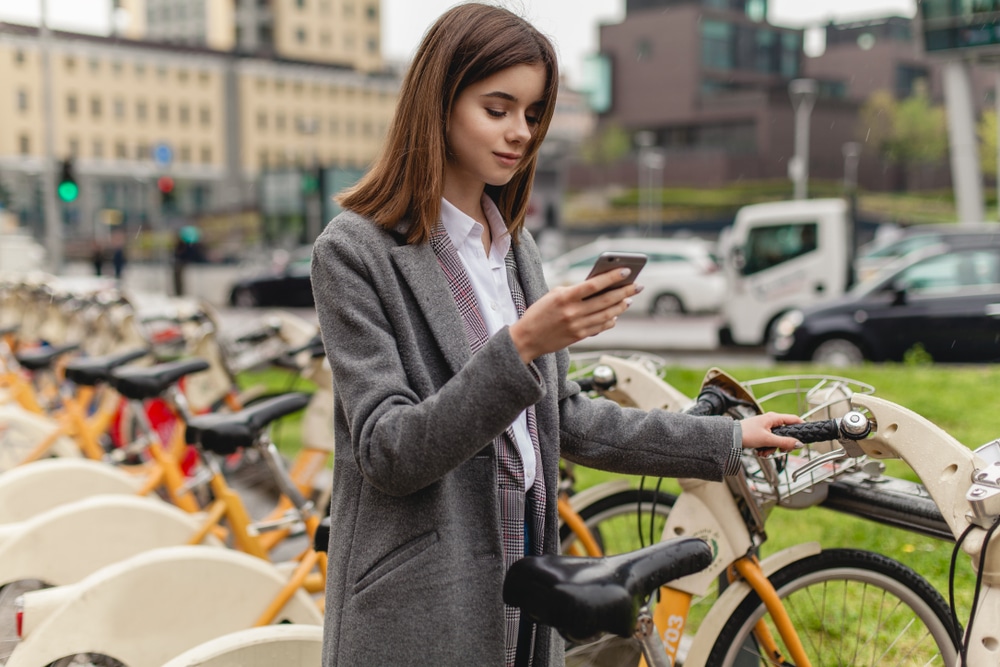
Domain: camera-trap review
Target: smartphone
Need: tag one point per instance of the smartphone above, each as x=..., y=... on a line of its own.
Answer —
x=609, y=261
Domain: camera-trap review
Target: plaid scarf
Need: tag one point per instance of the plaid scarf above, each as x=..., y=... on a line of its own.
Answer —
x=510, y=469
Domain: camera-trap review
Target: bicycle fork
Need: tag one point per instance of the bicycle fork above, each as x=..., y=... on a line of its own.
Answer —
x=671, y=614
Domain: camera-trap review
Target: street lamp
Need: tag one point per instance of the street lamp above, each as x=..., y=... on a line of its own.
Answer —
x=803, y=95
x=651, y=163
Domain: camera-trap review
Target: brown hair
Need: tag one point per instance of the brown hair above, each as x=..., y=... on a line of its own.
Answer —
x=467, y=44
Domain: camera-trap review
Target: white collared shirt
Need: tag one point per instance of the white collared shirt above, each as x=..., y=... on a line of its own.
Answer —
x=488, y=276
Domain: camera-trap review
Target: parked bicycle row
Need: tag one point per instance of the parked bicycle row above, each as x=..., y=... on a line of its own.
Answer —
x=138, y=565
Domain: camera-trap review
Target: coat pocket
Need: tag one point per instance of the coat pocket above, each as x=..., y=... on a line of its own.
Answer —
x=394, y=559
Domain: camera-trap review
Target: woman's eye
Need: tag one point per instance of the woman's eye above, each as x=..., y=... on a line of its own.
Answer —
x=496, y=113
x=532, y=120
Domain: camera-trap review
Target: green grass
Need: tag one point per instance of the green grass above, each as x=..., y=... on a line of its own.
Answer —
x=958, y=399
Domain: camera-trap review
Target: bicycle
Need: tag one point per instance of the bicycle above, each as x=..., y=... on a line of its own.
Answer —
x=731, y=515
x=200, y=592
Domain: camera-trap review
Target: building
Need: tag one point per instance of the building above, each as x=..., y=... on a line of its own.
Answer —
x=708, y=81
x=344, y=32
x=217, y=123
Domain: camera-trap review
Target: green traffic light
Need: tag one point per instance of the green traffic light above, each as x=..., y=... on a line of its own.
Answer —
x=68, y=191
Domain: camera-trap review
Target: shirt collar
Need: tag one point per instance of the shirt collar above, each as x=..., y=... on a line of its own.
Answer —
x=462, y=229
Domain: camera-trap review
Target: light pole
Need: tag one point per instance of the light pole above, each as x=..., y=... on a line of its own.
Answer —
x=803, y=95
x=650, y=163
x=50, y=205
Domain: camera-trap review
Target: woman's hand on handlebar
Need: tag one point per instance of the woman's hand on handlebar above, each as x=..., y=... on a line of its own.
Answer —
x=757, y=433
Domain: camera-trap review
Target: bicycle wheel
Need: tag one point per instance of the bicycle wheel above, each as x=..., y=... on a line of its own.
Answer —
x=616, y=520
x=849, y=607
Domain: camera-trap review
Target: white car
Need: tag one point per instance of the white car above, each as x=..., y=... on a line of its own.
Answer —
x=681, y=275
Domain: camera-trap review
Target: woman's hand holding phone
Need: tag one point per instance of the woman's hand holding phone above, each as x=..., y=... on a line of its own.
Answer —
x=567, y=315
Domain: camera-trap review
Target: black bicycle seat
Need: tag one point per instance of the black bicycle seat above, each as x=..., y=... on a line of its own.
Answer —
x=226, y=433
x=139, y=383
x=91, y=371
x=583, y=598
x=37, y=359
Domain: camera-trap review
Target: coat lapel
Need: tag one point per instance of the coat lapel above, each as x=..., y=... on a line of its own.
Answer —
x=419, y=268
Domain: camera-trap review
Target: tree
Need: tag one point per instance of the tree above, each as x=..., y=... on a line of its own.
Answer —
x=987, y=131
x=606, y=146
x=910, y=133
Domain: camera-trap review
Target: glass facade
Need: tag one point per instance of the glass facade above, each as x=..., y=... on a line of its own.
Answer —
x=960, y=24
x=729, y=46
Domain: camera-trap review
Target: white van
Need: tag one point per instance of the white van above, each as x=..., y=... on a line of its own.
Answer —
x=778, y=256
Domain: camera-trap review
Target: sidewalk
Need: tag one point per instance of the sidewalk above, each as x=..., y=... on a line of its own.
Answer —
x=210, y=282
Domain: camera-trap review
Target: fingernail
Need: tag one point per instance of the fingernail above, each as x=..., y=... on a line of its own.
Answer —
x=628, y=302
x=639, y=288
x=625, y=272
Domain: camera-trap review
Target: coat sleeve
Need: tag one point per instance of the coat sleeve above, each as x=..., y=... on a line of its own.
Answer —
x=406, y=433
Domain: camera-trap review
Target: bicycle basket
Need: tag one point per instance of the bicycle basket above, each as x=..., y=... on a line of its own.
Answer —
x=792, y=479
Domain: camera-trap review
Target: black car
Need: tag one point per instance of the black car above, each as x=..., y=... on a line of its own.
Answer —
x=944, y=299
x=286, y=287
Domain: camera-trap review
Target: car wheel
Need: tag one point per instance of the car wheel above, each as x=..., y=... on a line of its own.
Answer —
x=665, y=305
x=244, y=298
x=838, y=352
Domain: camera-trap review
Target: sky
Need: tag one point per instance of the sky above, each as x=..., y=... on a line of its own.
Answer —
x=572, y=24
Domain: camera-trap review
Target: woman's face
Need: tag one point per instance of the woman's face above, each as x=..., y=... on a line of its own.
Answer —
x=491, y=126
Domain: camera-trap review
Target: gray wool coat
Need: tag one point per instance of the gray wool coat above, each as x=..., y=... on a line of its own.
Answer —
x=415, y=570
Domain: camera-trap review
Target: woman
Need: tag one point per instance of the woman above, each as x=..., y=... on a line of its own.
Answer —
x=452, y=407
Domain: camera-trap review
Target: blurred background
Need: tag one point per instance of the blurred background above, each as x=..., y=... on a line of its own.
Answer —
x=169, y=132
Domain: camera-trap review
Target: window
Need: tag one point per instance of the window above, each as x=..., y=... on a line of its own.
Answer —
x=643, y=49
x=206, y=155
x=71, y=105
x=791, y=49
x=261, y=120
x=325, y=39
x=121, y=150
x=95, y=106
x=184, y=114
x=301, y=4
x=969, y=270
x=142, y=152
x=300, y=36
x=185, y=154
x=205, y=115
x=74, y=147
x=70, y=63
x=372, y=12
x=98, y=148
x=140, y=110
x=716, y=45
x=372, y=45
x=19, y=57
x=24, y=144
x=279, y=122
x=22, y=100
x=119, y=107
x=776, y=244
x=262, y=160
x=163, y=112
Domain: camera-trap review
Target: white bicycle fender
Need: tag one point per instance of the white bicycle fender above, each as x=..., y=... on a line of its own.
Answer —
x=724, y=607
x=594, y=493
x=147, y=609
x=65, y=544
x=258, y=647
x=33, y=488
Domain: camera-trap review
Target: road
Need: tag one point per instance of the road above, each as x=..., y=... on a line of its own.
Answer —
x=682, y=341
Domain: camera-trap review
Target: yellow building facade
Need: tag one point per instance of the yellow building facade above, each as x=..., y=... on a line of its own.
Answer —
x=127, y=112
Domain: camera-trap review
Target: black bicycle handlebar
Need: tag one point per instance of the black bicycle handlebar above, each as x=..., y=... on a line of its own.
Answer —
x=806, y=432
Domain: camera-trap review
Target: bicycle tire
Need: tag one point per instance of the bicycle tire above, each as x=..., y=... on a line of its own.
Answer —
x=614, y=522
x=899, y=617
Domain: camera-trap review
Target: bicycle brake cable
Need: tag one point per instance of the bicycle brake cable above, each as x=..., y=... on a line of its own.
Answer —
x=956, y=627
x=979, y=585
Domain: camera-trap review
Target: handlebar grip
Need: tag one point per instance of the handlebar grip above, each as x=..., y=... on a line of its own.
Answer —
x=586, y=383
x=806, y=432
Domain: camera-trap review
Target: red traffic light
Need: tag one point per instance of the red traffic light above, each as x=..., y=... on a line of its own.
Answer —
x=165, y=184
